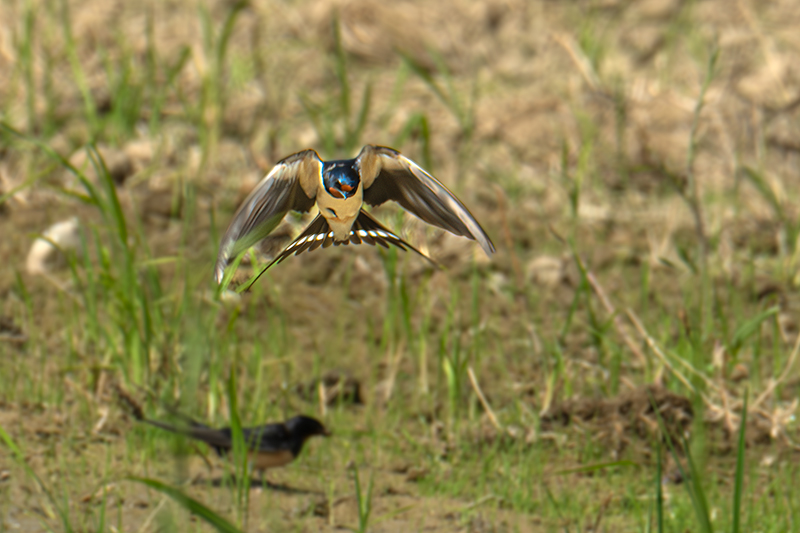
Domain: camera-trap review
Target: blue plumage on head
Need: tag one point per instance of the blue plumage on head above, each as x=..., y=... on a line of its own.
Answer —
x=340, y=178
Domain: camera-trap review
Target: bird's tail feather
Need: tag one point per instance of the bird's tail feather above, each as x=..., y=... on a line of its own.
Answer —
x=213, y=437
x=365, y=230
x=188, y=419
x=368, y=230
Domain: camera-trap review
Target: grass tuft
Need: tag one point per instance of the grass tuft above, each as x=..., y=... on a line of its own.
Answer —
x=190, y=504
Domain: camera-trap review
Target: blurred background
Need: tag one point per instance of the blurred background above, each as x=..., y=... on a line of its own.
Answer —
x=635, y=163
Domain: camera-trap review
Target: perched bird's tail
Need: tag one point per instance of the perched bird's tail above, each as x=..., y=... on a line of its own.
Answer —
x=219, y=440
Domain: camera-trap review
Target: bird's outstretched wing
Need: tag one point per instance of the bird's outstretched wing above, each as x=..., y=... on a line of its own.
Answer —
x=387, y=174
x=290, y=186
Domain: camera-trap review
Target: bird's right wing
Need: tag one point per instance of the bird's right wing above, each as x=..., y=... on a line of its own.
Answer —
x=290, y=186
x=386, y=174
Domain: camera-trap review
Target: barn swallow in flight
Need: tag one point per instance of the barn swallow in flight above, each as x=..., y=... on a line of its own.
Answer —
x=340, y=189
x=269, y=446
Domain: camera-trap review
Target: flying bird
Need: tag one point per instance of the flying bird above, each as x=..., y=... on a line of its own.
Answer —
x=269, y=445
x=340, y=189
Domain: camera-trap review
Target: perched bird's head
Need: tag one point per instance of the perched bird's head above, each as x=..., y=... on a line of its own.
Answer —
x=340, y=178
x=305, y=426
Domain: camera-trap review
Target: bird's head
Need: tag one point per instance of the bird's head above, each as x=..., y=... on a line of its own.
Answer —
x=340, y=178
x=305, y=426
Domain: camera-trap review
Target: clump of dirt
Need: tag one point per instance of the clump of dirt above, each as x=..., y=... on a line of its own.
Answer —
x=763, y=427
x=129, y=402
x=333, y=388
x=10, y=332
x=616, y=422
x=634, y=414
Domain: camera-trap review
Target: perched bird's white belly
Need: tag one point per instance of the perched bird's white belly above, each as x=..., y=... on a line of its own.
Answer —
x=346, y=211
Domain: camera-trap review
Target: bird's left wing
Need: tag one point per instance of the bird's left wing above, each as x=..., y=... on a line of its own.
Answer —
x=290, y=186
x=386, y=174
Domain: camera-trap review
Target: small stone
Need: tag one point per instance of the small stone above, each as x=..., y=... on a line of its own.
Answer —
x=140, y=153
x=230, y=298
x=119, y=165
x=44, y=256
x=546, y=270
x=739, y=373
x=117, y=162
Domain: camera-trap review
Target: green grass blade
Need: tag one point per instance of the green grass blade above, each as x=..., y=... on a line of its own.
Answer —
x=691, y=476
x=230, y=271
x=320, y=122
x=699, y=499
x=111, y=193
x=227, y=31
x=761, y=185
x=739, y=480
x=190, y=504
x=364, y=502
x=171, y=72
x=595, y=467
x=746, y=330
x=422, y=72
x=659, y=491
x=417, y=126
x=555, y=505
x=19, y=456
x=244, y=287
x=340, y=65
x=26, y=57
x=47, y=149
x=363, y=116
x=78, y=73
x=239, y=447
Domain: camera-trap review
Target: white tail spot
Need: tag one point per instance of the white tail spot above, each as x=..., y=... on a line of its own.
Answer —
x=362, y=233
x=320, y=236
x=372, y=233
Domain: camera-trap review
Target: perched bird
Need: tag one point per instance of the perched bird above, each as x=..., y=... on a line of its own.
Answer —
x=269, y=446
x=339, y=189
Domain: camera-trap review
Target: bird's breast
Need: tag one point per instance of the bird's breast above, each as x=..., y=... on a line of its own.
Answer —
x=340, y=213
x=264, y=460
